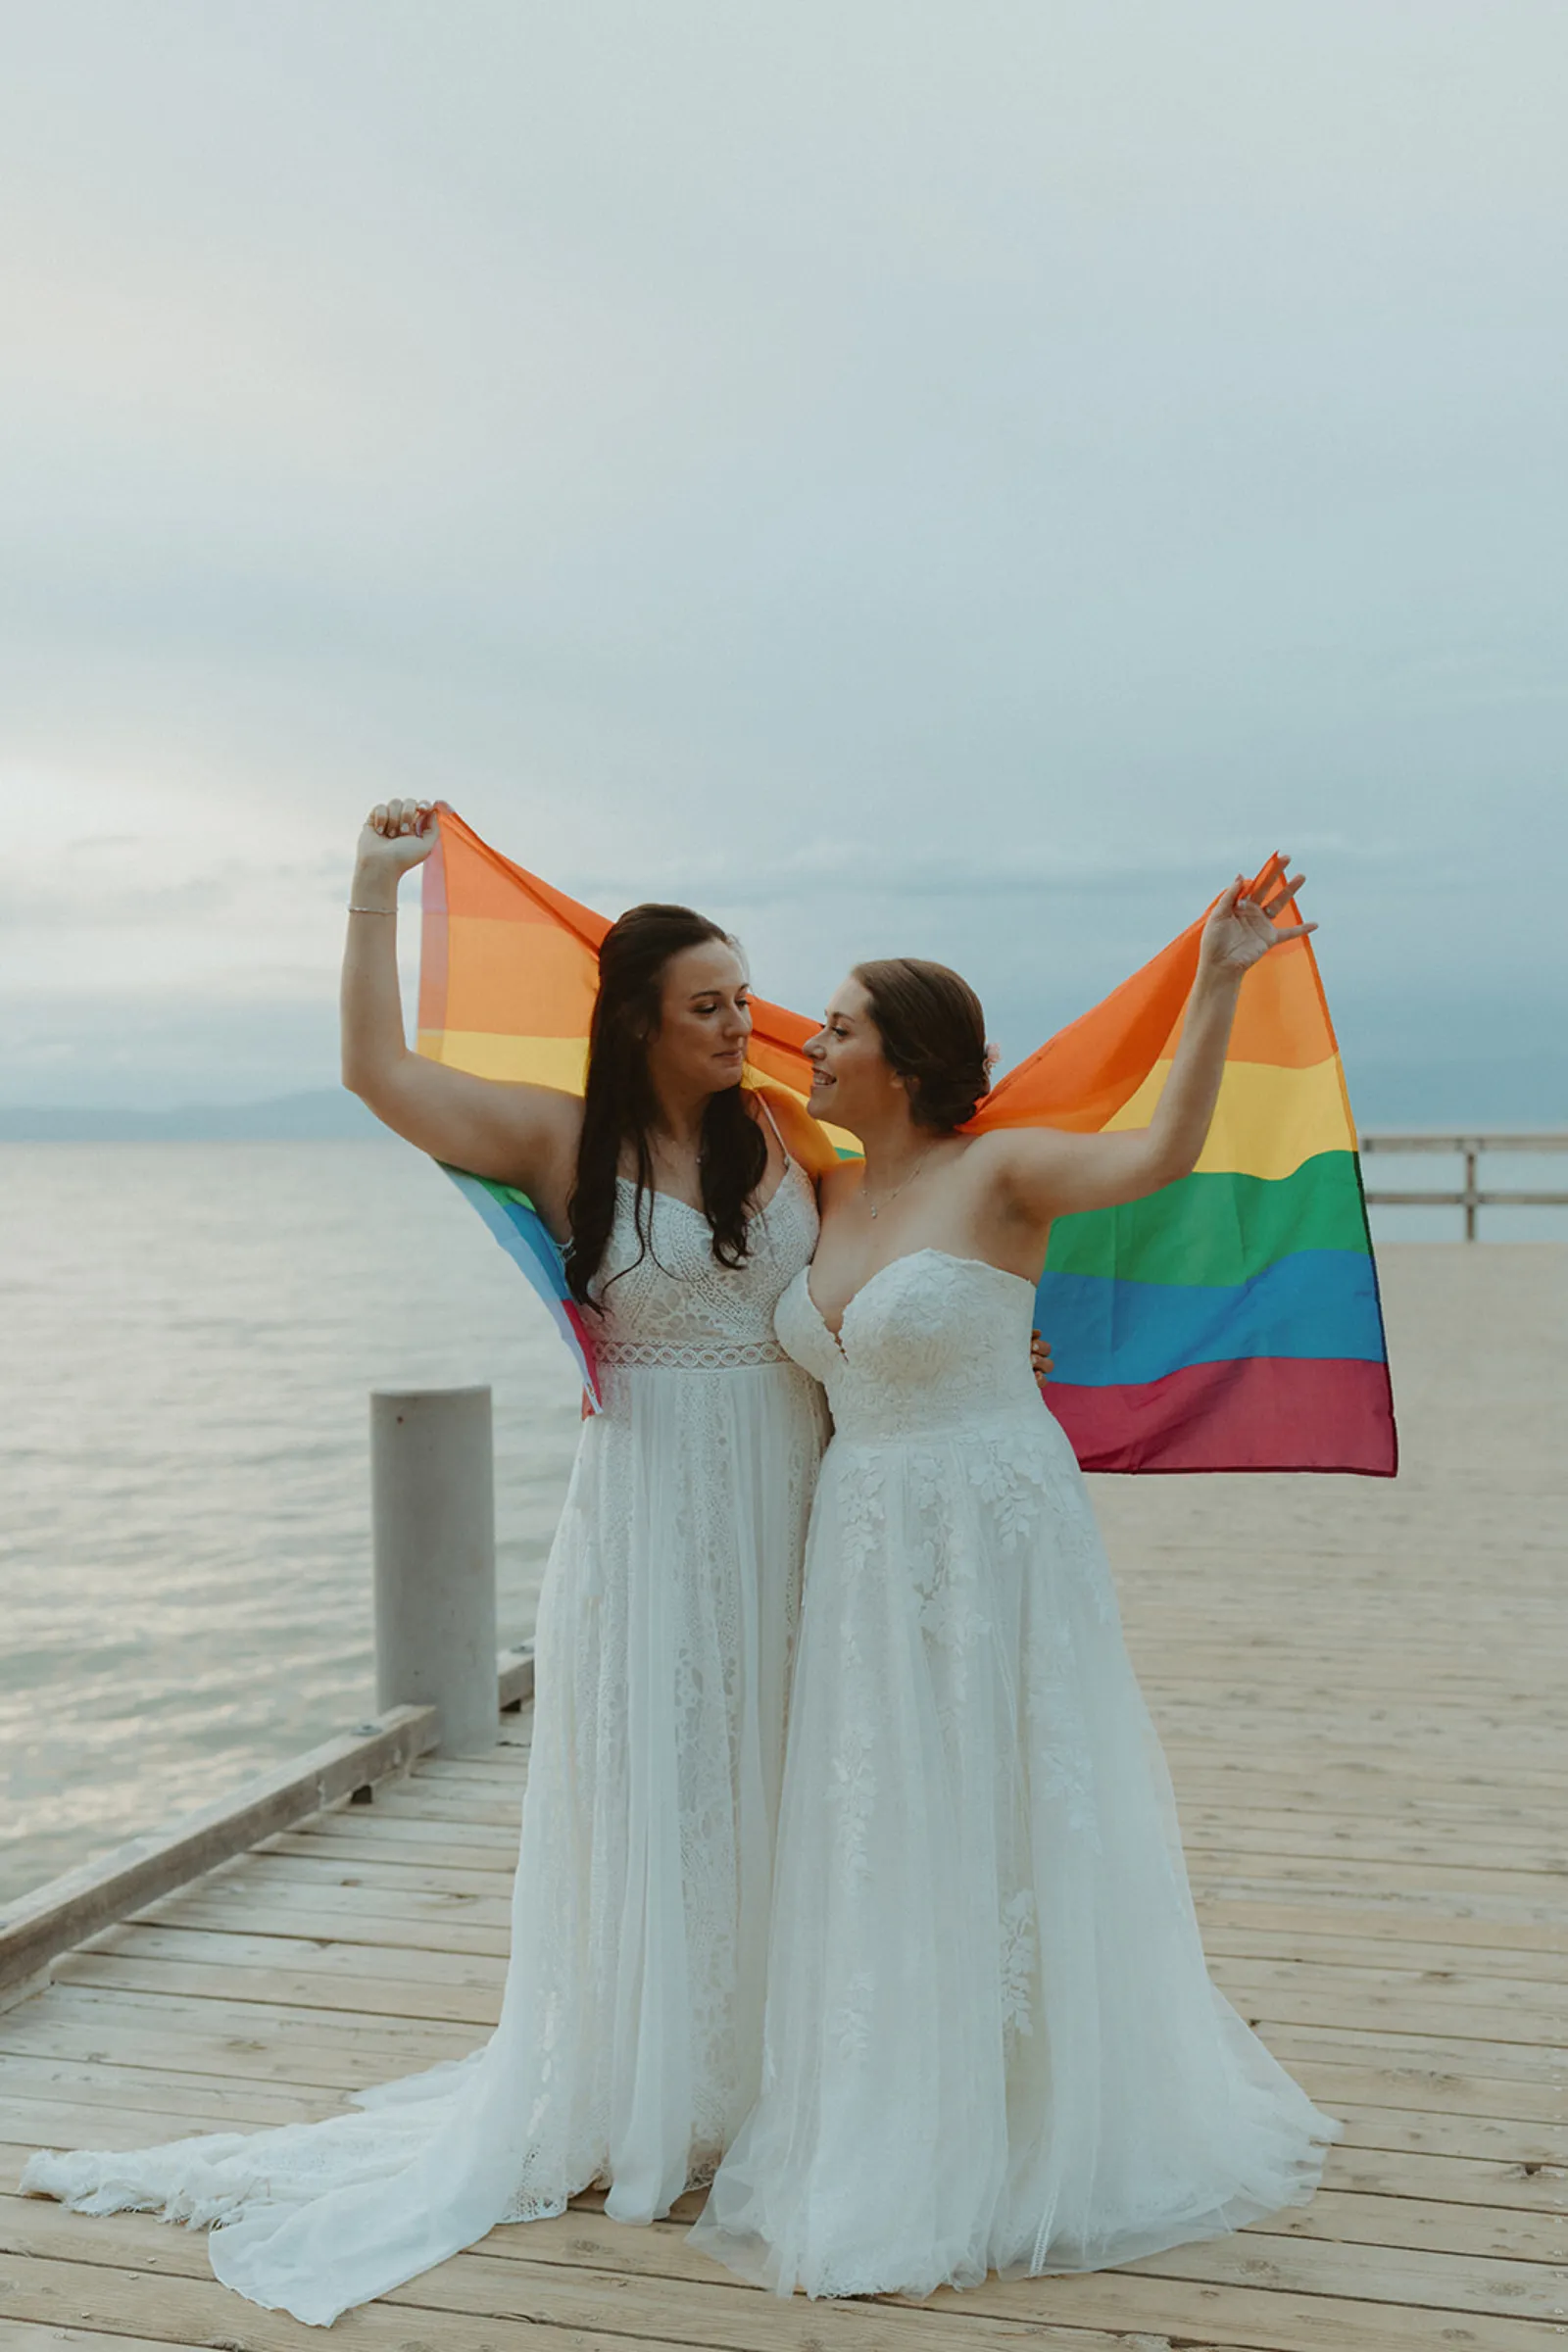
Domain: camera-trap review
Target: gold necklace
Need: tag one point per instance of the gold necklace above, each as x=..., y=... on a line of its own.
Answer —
x=897, y=1189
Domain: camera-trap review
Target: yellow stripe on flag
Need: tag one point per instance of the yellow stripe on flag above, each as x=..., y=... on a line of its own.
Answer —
x=1267, y=1121
x=519, y=1060
x=562, y=1061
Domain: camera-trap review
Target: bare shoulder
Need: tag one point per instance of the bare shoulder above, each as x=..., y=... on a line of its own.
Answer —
x=997, y=1156
x=1017, y=1166
x=839, y=1184
x=1007, y=1148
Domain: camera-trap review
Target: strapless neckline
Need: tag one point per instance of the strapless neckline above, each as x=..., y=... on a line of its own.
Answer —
x=953, y=1257
x=963, y=1717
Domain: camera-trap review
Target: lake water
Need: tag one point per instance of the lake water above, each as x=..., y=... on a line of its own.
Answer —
x=188, y=1334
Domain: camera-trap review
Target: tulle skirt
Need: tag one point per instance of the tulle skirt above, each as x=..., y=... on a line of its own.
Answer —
x=629, y=2041
x=991, y=2043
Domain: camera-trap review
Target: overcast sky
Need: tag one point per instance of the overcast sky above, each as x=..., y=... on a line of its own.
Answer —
x=956, y=479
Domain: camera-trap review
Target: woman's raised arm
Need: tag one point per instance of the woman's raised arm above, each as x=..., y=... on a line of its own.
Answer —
x=523, y=1135
x=1050, y=1173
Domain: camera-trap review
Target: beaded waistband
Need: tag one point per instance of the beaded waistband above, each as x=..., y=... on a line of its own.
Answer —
x=676, y=1356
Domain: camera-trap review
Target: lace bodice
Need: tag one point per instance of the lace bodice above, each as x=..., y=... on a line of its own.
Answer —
x=930, y=1342
x=675, y=1305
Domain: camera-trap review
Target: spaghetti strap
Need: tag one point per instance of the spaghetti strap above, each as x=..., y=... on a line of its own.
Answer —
x=767, y=1114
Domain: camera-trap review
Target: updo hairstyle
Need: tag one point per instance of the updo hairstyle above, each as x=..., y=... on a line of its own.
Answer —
x=933, y=1030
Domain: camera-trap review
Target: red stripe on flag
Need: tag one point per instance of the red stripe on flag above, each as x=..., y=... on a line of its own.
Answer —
x=1258, y=1412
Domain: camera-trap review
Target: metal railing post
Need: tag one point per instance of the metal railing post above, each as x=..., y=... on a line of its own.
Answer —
x=432, y=1492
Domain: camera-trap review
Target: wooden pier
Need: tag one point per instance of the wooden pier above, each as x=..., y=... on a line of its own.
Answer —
x=1361, y=1688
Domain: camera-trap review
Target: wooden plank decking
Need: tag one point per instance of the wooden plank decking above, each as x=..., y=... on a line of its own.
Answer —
x=1361, y=1689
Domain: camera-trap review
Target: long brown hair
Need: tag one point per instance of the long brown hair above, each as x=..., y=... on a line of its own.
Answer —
x=933, y=1030
x=620, y=1106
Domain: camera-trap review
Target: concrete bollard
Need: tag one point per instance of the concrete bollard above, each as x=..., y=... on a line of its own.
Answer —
x=432, y=1504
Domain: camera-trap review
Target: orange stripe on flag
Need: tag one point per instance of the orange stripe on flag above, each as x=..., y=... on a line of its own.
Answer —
x=1089, y=1071
x=1280, y=1016
x=511, y=976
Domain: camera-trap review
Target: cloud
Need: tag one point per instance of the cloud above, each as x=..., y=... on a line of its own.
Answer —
x=895, y=478
x=153, y=1050
x=125, y=885
x=870, y=872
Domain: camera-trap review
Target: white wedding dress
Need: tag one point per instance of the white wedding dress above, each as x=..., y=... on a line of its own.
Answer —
x=630, y=2034
x=992, y=2042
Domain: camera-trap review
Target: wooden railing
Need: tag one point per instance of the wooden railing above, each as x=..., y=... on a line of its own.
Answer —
x=1472, y=1197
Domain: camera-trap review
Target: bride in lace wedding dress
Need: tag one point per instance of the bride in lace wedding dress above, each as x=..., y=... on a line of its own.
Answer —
x=991, y=2039
x=629, y=2040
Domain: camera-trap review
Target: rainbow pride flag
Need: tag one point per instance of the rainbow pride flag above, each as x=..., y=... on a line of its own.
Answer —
x=509, y=968
x=1228, y=1322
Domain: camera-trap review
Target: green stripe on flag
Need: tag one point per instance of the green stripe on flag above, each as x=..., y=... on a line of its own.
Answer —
x=1217, y=1230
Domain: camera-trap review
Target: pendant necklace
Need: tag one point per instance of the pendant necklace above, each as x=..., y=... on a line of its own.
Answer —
x=897, y=1189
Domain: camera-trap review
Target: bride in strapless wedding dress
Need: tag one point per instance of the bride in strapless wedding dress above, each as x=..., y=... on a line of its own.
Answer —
x=991, y=2039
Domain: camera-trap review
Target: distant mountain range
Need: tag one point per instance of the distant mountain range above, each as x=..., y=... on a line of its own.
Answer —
x=1503, y=1091
x=332, y=1116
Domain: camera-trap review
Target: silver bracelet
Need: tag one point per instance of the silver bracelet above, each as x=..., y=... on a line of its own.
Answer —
x=352, y=909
